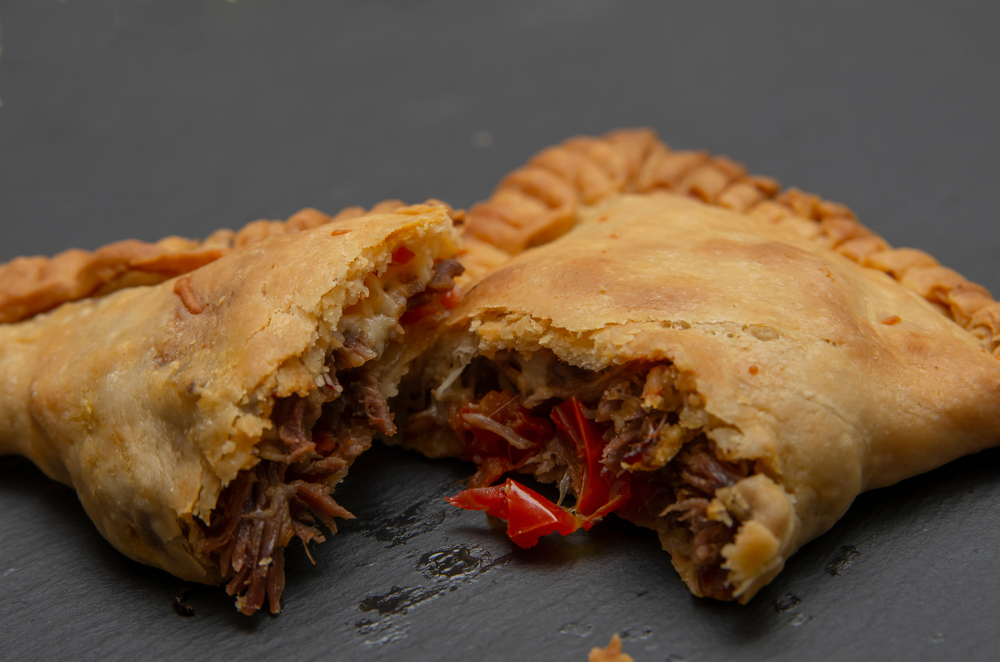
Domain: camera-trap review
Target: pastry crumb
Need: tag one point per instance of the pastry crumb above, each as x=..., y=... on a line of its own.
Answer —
x=613, y=652
x=180, y=604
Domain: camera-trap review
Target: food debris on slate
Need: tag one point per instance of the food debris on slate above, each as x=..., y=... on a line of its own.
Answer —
x=845, y=556
x=180, y=605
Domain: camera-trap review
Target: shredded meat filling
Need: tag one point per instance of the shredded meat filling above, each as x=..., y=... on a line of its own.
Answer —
x=287, y=493
x=696, y=475
x=365, y=395
x=653, y=430
x=263, y=508
x=287, y=416
x=353, y=354
x=443, y=280
x=444, y=276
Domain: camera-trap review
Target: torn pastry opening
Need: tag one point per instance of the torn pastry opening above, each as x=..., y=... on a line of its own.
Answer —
x=316, y=433
x=634, y=439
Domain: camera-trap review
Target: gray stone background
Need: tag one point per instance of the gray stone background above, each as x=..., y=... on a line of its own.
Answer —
x=141, y=119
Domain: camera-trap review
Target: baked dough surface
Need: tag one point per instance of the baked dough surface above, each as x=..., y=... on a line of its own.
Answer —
x=833, y=375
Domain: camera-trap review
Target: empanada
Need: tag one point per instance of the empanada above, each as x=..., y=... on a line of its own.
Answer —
x=205, y=421
x=732, y=378
x=729, y=377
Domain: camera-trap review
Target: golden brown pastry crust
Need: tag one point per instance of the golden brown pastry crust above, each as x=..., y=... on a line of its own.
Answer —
x=150, y=400
x=541, y=201
x=834, y=377
x=31, y=285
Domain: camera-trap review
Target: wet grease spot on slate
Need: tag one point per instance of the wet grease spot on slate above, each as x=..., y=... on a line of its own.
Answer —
x=800, y=620
x=398, y=600
x=790, y=602
x=845, y=556
x=461, y=561
x=577, y=629
x=383, y=632
x=640, y=634
x=787, y=602
x=397, y=530
x=449, y=569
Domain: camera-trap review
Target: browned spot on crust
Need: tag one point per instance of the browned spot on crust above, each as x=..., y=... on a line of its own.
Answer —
x=895, y=319
x=182, y=288
x=754, y=370
x=771, y=253
x=337, y=233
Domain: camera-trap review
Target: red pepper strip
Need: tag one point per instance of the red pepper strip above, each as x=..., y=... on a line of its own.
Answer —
x=529, y=515
x=533, y=516
x=595, y=491
x=491, y=499
x=402, y=255
x=493, y=454
x=609, y=507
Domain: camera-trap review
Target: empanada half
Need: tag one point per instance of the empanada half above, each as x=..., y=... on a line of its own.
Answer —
x=205, y=421
x=731, y=380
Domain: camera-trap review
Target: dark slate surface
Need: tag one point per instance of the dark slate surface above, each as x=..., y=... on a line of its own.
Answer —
x=144, y=119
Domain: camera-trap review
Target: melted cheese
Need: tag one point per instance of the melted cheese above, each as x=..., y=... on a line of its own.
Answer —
x=374, y=317
x=533, y=377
